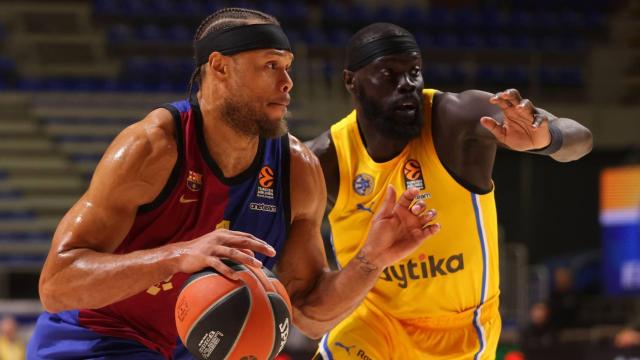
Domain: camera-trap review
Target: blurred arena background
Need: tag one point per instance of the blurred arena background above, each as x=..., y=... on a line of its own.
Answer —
x=73, y=73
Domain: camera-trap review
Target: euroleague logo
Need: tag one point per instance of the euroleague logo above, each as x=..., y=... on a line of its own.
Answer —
x=266, y=180
x=412, y=172
x=266, y=177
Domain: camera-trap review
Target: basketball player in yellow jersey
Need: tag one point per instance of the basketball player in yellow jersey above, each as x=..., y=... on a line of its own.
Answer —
x=441, y=301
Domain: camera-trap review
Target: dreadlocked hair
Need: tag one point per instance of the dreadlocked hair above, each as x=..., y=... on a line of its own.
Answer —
x=225, y=19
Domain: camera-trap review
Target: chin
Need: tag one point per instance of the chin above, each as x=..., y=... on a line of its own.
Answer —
x=272, y=127
x=279, y=116
x=406, y=120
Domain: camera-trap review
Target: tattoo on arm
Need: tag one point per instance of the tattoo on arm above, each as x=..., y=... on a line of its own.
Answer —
x=365, y=265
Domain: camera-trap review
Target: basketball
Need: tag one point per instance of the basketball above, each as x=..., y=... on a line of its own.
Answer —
x=219, y=318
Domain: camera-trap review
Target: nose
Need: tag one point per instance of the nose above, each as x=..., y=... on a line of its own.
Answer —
x=287, y=84
x=406, y=84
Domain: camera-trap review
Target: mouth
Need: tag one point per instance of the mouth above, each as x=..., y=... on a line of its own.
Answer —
x=282, y=101
x=406, y=105
x=406, y=108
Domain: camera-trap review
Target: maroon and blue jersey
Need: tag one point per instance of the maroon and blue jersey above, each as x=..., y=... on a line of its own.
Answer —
x=196, y=200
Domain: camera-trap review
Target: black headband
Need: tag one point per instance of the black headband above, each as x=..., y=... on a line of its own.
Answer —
x=241, y=38
x=363, y=55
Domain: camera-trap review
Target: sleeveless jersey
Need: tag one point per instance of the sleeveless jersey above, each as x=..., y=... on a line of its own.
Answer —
x=197, y=200
x=452, y=272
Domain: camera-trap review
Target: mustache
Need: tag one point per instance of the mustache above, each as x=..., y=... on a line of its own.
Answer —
x=409, y=98
x=284, y=100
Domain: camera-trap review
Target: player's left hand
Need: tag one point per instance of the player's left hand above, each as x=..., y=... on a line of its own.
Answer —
x=398, y=228
x=522, y=128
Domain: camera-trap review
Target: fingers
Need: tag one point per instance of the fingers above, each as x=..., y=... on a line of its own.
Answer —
x=430, y=230
x=528, y=112
x=236, y=255
x=387, y=204
x=526, y=106
x=427, y=217
x=511, y=96
x=489, y=123
x=407, y=197
x=417, y=229
x=519, y=109
x=506, y=99
x=238, y=239
x=418, y=207
x=497, y=100
x=222, y=268
x=538, y=119
x=512, y=99
x=248, y=252
x=498, y=130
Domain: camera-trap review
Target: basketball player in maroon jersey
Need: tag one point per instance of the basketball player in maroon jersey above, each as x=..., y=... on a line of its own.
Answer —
x=221, y=160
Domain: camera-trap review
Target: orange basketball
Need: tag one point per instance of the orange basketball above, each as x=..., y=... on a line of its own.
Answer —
x=218, y=318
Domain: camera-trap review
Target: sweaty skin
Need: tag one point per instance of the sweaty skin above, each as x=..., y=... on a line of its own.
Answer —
x=81, y=271
x=467, y=127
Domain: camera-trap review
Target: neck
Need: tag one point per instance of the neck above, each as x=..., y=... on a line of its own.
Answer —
x=232, y=151
x=379, y=146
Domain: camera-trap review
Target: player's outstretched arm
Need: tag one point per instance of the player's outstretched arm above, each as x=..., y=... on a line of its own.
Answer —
x=322, y=298
x=81, y=270
x=517, y=124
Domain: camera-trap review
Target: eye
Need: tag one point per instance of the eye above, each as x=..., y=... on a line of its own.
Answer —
x=385, y=72
x=415, y=72
x=272, y=65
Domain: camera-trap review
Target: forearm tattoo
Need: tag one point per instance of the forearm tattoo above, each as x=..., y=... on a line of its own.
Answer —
x=365, y=265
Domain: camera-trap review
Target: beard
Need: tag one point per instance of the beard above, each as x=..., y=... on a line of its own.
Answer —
x=387, y=121
x=246, y=118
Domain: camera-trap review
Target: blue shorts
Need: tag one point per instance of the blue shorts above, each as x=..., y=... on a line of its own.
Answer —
x=60, y=336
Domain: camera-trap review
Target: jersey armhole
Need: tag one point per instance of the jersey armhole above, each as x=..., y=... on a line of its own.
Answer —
x=343, y=175
x=175, y=173
x=286, y=181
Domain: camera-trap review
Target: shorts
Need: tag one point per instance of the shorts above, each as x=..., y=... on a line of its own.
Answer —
x=60, y=336
x=370, y=334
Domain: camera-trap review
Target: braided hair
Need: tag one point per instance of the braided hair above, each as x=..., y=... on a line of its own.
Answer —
x=225, y=19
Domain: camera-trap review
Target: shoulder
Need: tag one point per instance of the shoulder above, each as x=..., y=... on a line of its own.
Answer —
x=320, y=144
x=141, y=157
x=154, y=135
x=157, y=129
x=308, y=193
x=461, y=103
x=324, y=148
x=462, y=109
x=301, y=155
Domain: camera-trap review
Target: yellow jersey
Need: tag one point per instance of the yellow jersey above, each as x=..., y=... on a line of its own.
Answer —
x=453, y=272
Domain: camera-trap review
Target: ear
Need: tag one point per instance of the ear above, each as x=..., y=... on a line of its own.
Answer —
x=349, y=81
x=218, y=66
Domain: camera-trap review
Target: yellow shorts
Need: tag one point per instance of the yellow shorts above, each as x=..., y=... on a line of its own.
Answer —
x=370, y=334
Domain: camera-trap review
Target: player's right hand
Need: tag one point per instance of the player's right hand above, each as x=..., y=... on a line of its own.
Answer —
x=209, y=249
